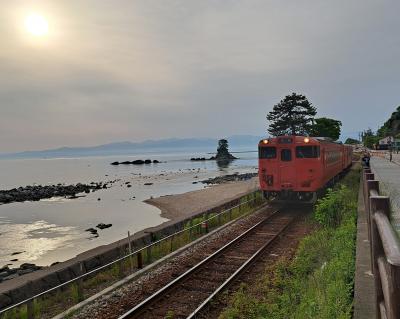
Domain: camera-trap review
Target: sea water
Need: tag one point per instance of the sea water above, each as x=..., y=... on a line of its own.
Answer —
x=51, y=230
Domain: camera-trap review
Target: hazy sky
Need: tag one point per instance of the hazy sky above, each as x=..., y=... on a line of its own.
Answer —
x=137, y=69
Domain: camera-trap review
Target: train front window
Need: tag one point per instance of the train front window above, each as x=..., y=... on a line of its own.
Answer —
x=267, y=152
x=307, y=151
x=286, y=155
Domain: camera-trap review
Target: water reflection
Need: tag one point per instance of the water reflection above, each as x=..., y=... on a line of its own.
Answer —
x=223, y=165
x=31, y=241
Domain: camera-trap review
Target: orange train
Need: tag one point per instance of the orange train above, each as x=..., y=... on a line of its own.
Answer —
x=298, y=167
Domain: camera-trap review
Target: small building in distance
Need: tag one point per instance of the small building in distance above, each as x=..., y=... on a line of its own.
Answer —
x=386, y=142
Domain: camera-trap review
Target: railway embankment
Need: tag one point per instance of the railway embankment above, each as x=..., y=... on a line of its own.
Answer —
x=318, y=281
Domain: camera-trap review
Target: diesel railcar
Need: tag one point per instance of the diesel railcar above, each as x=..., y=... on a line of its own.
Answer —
x=298, y=167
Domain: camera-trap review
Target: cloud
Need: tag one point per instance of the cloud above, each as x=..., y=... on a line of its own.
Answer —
x=131, y=70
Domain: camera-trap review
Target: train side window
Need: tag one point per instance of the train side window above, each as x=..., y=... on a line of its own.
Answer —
x=307, y=151
x=267, y=152
x=286, y=155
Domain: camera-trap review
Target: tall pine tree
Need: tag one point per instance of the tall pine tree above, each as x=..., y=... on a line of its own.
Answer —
x=291, y=116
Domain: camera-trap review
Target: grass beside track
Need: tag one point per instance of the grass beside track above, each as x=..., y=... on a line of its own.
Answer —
x=318, y=282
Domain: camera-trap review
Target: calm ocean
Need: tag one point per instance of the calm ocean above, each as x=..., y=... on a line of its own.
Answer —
x=54, y=230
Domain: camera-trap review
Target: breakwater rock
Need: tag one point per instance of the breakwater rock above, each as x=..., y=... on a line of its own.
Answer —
x=136, y=162
x=229, y=178
x=7, y=273
x=38, y=192
x=200, y=159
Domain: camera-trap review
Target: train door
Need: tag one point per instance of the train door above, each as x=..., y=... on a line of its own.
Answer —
x=287, y=170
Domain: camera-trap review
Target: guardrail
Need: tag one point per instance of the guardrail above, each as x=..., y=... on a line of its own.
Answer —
x=72, y=291
x=385, y=249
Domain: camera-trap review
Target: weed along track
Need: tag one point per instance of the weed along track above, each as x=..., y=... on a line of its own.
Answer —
x=189, y=293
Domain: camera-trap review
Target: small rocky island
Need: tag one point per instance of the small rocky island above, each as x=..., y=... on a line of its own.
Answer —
x=222, y=155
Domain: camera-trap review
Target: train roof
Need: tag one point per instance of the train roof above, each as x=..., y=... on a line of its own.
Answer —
x=288, y=139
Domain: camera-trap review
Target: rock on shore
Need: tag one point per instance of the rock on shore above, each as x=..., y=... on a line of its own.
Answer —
x=38, y=192
x=136, y=162
x=7, y=273
x=200, y=159
x=229, y=178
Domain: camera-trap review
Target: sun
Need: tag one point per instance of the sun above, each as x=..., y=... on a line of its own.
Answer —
x=36, y=25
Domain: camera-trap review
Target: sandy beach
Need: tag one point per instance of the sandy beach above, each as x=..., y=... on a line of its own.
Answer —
x=183, y=205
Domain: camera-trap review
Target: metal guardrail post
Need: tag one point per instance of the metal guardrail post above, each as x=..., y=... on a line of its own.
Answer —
x=190, y=229
x=80, y=284
x=130, y=251
x=30, y=313
x=171, y=248
x=148, y=255
x=30, y=309
x=139, y=260
x=121, y=262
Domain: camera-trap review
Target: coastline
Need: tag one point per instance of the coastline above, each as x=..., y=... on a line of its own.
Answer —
x=175, y=207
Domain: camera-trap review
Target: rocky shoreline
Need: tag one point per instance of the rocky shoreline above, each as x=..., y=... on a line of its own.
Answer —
x=230, y=178
x=7, y=273
x=38, y=192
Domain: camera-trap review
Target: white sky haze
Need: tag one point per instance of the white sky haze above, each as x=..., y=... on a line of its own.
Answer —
x=132, y=70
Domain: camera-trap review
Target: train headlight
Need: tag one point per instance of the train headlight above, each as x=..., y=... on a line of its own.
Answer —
x=306, y=140
x=265, y=141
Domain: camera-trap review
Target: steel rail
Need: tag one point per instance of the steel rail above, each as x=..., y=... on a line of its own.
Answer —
x=238, y=272
x=141, y=306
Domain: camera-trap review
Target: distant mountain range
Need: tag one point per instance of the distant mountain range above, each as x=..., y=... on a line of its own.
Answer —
x=125, y=148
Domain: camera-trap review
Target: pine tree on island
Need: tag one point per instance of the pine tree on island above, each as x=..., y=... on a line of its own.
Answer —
x=223, y=152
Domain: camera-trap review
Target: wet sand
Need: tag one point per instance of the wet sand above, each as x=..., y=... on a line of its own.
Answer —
x=183, y=205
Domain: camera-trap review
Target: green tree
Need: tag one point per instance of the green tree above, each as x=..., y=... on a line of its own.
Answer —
x=391, y=126
x=351, y=141
x=292, y=115
x=222, y=147
x=369, y=138
x=326, y=127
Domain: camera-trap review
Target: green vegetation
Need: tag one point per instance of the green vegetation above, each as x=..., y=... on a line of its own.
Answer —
x=369, y=138
x=294, y=115
x=351, y=141
x=326, y=127
x=318, y=281
x=390, y=128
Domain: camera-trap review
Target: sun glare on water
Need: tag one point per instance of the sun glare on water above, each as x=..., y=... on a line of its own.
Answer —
x=36, y=25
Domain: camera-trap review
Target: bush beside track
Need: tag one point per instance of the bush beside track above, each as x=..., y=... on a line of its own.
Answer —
x=318, y=282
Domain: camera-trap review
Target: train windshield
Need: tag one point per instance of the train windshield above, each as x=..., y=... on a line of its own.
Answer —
x=307, y=151
x=267, y=152
x=286, y=155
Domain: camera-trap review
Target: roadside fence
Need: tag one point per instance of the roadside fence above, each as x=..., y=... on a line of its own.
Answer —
x=61, y=297
x=385, y=249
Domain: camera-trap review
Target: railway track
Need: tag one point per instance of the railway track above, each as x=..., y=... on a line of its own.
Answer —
x=190, y=293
